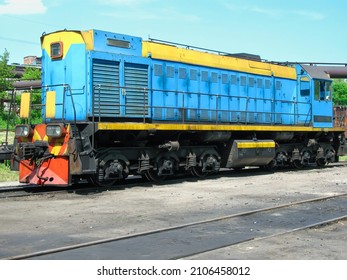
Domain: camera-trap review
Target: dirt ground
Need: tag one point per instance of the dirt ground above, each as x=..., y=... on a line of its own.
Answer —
x=53, y=220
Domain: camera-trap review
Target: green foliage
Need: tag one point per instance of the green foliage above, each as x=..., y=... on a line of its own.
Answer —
x=6, y=174
x=31, y=73
x=6, y=72
x=339, y=92
x=6, y=78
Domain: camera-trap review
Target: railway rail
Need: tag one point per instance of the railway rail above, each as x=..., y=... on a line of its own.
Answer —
x=132, y=181
x=194, y=238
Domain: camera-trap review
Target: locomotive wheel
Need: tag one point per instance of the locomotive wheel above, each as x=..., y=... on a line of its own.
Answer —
x=297, y=164
x=153, y=176
x=208, y=166
x=197, y=172
x=271, y=166
x=103, y=183
x=100, y=178
x=321, y=162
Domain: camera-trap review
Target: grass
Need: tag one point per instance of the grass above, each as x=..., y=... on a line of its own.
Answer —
x=343, y=158
x=6, y=175
x=3, y=137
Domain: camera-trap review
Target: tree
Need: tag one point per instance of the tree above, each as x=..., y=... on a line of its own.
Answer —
x=339, y=92
x=6, y=75
x=31, y=73
x=6, y=72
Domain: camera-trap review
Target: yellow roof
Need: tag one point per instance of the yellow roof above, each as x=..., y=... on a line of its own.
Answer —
x=173, y=53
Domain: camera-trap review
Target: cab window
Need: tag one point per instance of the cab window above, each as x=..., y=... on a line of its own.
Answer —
x=57, y=50
x=322, y=90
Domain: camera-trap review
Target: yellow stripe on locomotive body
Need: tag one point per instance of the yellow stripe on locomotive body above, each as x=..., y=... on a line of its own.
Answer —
x=173, y=53
x=256, y=145
x=211, y=127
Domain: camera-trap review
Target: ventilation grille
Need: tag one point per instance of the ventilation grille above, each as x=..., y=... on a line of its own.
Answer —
x=106, y=88
x=136, y=95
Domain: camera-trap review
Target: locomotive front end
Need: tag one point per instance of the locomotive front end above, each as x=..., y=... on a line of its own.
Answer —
x=46, y=152
x=43, y=154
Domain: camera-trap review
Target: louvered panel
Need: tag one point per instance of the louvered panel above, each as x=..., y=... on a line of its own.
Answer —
x=106, y=88
x=136, y=81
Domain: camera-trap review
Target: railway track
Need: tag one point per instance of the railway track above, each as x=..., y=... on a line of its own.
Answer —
x=191, y=239
x=133, y=181
x=27, y=190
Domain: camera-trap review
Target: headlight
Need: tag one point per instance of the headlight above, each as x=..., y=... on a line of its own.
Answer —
x=55, y=130
x=23, y=131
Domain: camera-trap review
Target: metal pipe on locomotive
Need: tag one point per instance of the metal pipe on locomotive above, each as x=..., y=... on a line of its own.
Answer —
x=115, y=105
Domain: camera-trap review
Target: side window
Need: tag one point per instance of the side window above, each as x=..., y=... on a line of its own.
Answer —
x=328, y=91
x=304, y=86
x=322, y=90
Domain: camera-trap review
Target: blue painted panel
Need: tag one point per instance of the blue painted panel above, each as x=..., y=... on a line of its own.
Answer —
x=260, y=99
x=164, y=84
x=234, y=100
x=304, y=109
x=225, y=100
x=252, y=108
x=182, y=88
x=62, y=72
x=204, y=113
x=268, y=103
x=117, y=43
x=285, y=111
x=214, y=92
x=212, y=95
x=243, y=98
x=191, y=99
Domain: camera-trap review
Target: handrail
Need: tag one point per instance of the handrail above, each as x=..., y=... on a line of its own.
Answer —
x=215, y=111
x=182, y=107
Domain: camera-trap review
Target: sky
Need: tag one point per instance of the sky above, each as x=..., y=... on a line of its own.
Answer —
x=277, y=30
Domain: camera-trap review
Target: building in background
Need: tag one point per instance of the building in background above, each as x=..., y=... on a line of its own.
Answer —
x=32, y=60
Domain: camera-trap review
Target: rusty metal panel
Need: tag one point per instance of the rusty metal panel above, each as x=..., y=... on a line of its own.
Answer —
x=340, y=118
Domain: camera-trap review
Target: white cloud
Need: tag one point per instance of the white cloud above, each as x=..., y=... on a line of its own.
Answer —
x=125, y=2
x=165, y=14
x=310, y=15
x=276, y=13
x=22, y=7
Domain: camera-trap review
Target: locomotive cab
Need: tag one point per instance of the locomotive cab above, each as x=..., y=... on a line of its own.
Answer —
x=315, y=85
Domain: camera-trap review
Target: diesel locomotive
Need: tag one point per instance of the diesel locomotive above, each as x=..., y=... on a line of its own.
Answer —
x=115, y=105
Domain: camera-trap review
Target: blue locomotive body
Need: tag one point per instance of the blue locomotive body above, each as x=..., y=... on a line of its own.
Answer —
x=113, y=79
